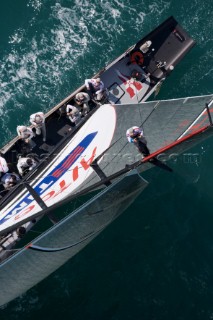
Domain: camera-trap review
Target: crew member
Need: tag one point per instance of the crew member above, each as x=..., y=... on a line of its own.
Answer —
x=9, y=180
x=26, y=134
x=38, y=121
x=82, y=99
x=135, y=135
x=25, y=165
x=3, y=166
x=95, y=88
x=73, y=114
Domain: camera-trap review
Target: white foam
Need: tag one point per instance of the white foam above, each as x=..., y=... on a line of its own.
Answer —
x=23, y=73
x=40, y=62
x=35, y=4
x=115, y=13
x=17, y=37
x=140, y=19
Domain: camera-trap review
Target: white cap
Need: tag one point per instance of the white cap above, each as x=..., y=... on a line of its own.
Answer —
x=38, y=118
x=131, y=131
x=22, y=128
x=80, y=95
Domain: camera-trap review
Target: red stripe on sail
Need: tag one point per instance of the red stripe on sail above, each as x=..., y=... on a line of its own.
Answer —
x=68, y=162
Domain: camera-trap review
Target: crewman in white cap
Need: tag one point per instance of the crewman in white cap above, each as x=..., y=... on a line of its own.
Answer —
x=38, y=121
x=73, y=114
x=3, y=166
x=82, y=99
x=25, y=164
x=95, y=88
x=135, y=135
x=26, y=134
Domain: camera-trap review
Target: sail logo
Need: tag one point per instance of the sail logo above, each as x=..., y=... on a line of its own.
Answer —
x=45, y=184
x=68, y=171
x=132, y=86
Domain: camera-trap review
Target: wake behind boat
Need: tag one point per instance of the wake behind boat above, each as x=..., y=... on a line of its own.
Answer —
x=95, y=152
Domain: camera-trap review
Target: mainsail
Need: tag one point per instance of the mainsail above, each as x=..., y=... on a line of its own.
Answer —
x=165, y=123
x=168, y=124
x=54, y=247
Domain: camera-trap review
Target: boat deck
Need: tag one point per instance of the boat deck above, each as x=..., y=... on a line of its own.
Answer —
x=122, y=87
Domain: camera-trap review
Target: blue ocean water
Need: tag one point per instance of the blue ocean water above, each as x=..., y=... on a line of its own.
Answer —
x=155, y=261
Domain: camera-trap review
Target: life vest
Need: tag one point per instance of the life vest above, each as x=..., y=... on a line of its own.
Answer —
x=137, y=57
